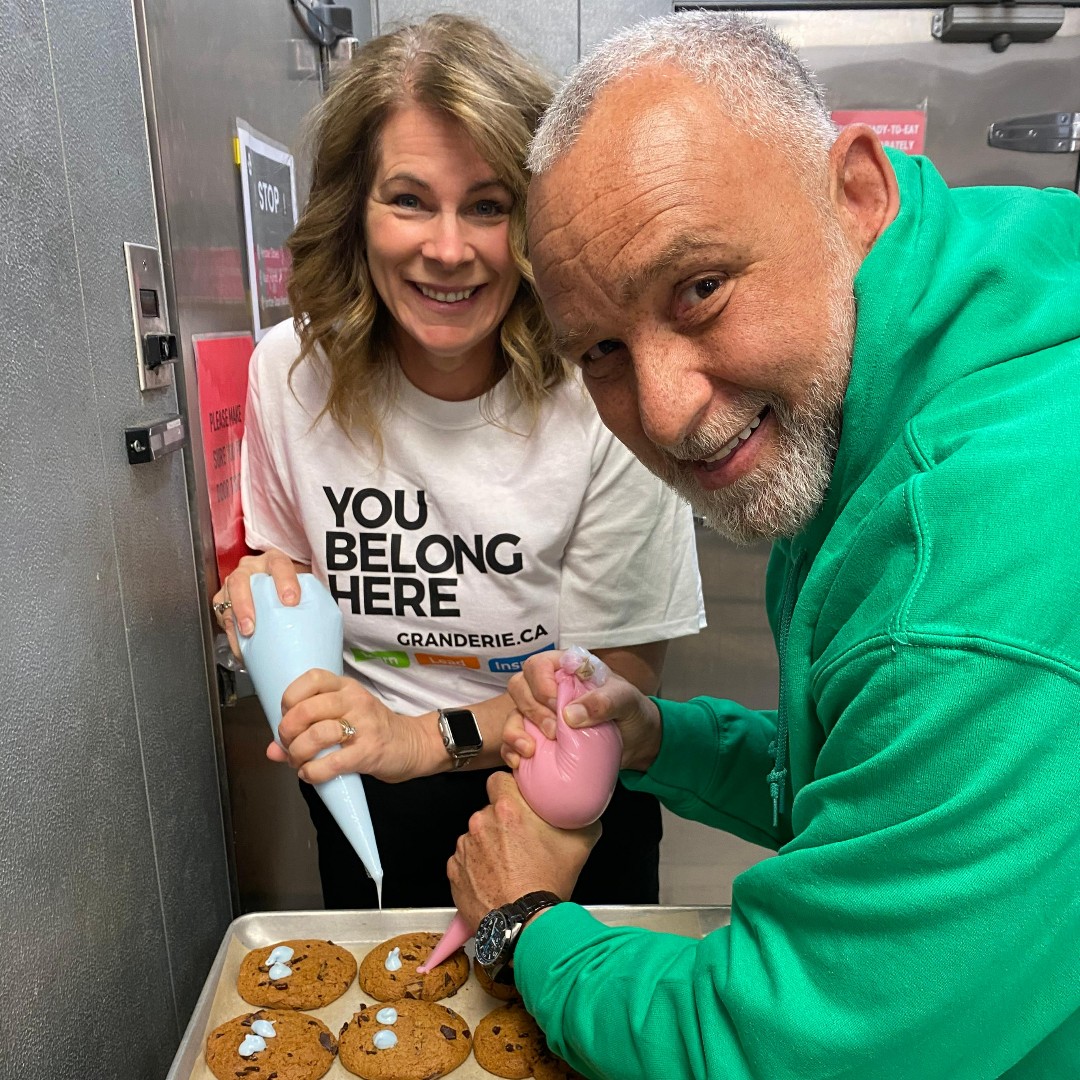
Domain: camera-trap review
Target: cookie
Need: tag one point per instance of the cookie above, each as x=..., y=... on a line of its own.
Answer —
x=504, y=991
x=507, y=1041
x=548, y=1066
x=384, y=980
x=298, y=974
x=406, y=1040
x=300, y=1048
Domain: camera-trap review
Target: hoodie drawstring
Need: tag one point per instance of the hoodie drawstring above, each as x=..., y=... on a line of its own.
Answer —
x=777, y=779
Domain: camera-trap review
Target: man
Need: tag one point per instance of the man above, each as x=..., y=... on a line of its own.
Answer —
x=816, y=341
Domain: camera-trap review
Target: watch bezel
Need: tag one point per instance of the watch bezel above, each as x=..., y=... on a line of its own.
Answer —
x=494, y=928
x=513, y=917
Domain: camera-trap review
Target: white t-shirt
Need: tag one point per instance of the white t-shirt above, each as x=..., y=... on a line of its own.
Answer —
x=465, y=547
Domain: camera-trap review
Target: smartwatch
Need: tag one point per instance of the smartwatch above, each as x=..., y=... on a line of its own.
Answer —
x=460, y=735
x=499, y=930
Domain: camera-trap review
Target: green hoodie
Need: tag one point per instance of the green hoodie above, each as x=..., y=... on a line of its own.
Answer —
x=922, y=918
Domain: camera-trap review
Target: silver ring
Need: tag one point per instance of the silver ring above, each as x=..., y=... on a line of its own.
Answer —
x=347, y=730
x=222, y=606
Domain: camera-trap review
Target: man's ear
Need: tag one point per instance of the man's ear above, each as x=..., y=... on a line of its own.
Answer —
x=863, y=185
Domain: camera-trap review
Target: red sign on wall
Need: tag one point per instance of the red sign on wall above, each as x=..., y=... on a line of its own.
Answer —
x=903, y=129
x=221, y=369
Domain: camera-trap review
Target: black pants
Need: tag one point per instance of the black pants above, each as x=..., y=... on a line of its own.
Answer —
x=417, y=824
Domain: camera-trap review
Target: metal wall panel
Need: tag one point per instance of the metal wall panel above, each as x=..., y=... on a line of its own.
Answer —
x=602, y=18
x=546, y=32
x=115, y=889
x=208, y=64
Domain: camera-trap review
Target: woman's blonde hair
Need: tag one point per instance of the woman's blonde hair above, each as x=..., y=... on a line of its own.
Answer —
x=462, y=69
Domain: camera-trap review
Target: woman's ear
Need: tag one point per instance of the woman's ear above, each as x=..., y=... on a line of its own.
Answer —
x=863, y=184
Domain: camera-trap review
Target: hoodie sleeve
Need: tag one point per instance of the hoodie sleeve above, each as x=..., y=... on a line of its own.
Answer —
x=712, y=767
x=884, y=941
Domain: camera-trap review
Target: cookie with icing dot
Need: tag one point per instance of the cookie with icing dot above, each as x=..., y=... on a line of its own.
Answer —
x=388, y=972
x=404, y=1040
x=284, y=1044
x=297, y=974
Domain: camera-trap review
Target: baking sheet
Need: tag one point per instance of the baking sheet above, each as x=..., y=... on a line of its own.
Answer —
x=359, y=932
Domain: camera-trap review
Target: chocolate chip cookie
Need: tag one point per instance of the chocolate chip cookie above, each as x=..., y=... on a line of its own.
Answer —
x=548, y=1066
x=298, y=974
x=507, y=1041
x=286, y=1045
x=388, y=972
x=504, y=991
x=404, y=1040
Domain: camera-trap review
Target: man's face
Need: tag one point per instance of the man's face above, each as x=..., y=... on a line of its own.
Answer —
x=707, y=297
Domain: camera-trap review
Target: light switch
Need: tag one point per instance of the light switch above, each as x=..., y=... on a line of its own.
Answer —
x=155, y=343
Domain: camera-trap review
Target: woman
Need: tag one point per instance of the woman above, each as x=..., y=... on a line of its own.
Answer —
x=416, y=442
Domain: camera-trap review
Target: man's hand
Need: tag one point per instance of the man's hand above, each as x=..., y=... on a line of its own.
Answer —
x=509, y=851
x=533, y=691
x=387, y=745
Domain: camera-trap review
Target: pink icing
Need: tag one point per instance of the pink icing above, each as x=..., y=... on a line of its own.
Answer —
x=568, y=781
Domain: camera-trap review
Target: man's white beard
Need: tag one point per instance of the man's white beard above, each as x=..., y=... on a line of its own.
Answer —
x=778, y=499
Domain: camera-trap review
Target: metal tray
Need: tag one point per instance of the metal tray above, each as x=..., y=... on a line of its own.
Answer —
x=361, y=931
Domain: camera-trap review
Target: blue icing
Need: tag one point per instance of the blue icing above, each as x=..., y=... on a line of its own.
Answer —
x=265, y=1028
x=252, y=1044
x=281, y=955
x=280, y=971
x=384, y=1039
x=386, y=1016
x=393, y=960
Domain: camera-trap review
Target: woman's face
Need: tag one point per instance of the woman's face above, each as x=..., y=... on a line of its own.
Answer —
x=438, y=249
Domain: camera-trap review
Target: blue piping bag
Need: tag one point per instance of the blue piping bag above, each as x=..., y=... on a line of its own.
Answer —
x=287, y=642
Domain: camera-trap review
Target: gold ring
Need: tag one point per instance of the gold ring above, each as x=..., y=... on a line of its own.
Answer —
x=347, y=730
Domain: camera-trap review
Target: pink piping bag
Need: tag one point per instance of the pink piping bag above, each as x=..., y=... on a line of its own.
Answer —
x=569, y=780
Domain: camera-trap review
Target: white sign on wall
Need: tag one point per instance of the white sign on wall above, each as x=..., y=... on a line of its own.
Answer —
x=268, y=182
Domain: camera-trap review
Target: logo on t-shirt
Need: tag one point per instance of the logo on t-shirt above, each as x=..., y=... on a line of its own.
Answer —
x=382, y=560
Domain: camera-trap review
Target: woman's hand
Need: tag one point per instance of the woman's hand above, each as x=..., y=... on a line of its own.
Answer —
x=387, y=745
x=534, y=690
x=235, y=593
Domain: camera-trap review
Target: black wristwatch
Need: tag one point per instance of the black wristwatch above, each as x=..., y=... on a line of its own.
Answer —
x=499, y=930
x=460, y=735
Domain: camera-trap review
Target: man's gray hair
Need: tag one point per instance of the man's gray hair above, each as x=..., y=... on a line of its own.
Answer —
x=760, y=81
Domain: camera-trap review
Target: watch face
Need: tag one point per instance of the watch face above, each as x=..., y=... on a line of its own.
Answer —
x=463, y=727
x=491, y=936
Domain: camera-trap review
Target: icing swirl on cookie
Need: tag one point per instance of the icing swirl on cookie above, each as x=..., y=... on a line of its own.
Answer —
x=252, y=1044
x=393, y=960
x=387, y=1015
x=384, y=1039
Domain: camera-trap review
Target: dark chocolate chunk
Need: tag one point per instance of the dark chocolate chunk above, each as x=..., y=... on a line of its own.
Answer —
x=496, y=1029
x=325, y=1041
x=447, y=1032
